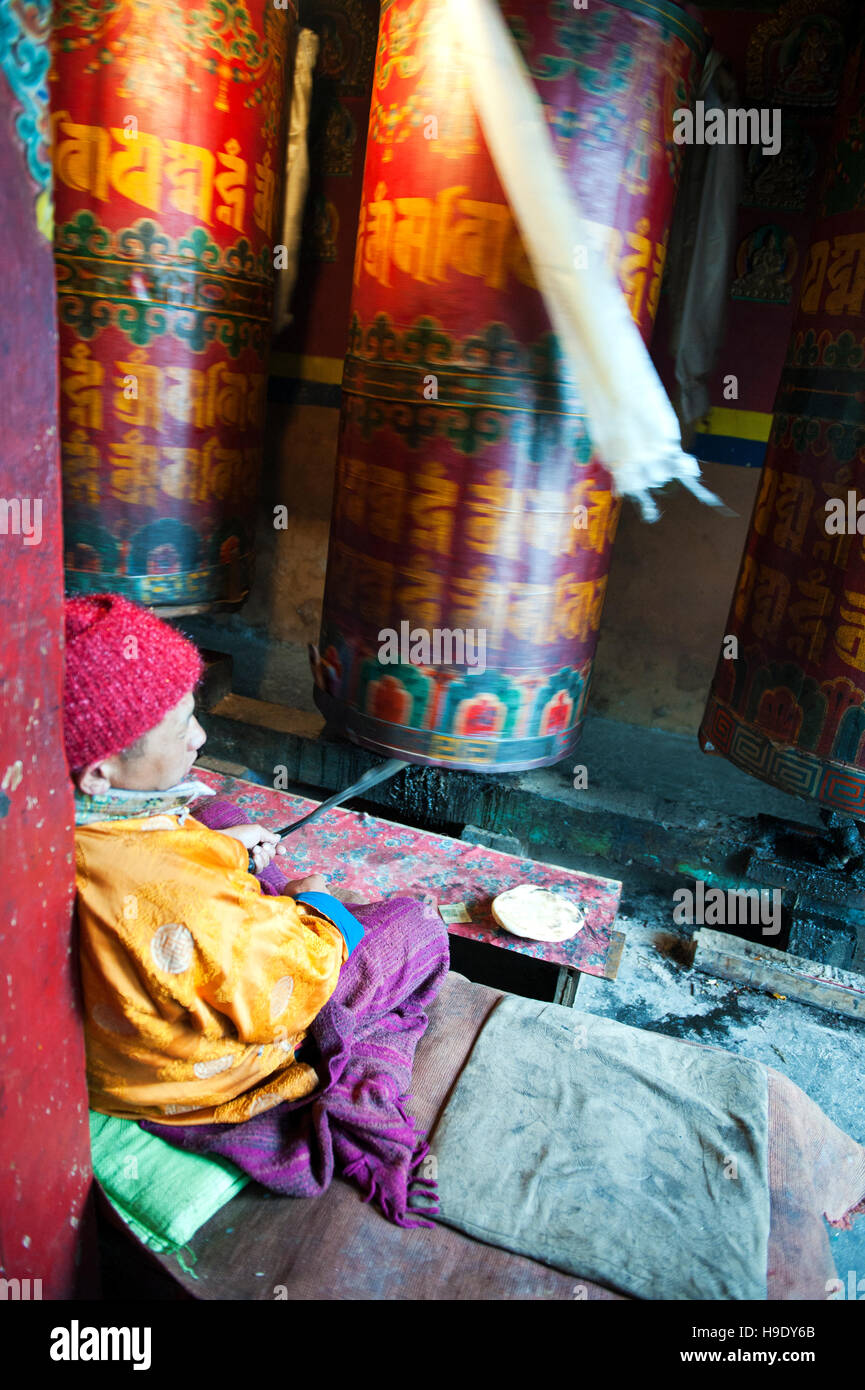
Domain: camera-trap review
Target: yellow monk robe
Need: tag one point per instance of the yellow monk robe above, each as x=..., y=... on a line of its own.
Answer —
x=198, y=988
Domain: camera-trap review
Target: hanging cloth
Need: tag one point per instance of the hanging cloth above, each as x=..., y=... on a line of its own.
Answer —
x=296, y=176
x=702, y=241
x=632, y=424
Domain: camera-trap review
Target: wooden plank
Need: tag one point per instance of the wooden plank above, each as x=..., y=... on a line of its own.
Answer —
x=614, y=959
x=776, y=972
x=566, y=987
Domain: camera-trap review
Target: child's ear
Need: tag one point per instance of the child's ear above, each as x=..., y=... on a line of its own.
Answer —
x=92, y=780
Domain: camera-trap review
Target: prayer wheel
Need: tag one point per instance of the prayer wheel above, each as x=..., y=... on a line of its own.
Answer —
x=787, y=701
x=168, y=131
x=472, y=528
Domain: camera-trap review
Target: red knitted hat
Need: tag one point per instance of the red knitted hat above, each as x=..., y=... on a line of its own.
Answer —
x=125, y=669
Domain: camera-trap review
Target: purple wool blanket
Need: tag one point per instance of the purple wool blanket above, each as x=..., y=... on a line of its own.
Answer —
x=362, y=1045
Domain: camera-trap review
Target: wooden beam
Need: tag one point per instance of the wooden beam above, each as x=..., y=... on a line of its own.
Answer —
x=776, y=972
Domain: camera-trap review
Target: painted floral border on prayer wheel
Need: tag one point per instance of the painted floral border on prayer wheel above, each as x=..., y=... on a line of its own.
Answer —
x=169, y=129
x=788, y=703
x=464, y=460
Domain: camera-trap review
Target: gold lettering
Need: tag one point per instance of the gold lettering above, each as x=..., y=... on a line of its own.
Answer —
x=231, y=186
x=602, y=513
x=379, y=236
x=413, y=237
x=81, y=158
x=420, y=599
x=80, y=469
x=358, y=250
x=221, y=470
x=529, y=613
x=850, y=636
x=769, y=603
x=181, y=476
x=189, y=171
x=430, y=509
x=135, y=170
x=478, y=600
x=265, y=188
x=765, y=504
x=793, y=509
x=83, y=387
x=494, y=517
x=135, y=475
x=385, y=502
x=476, y=245
x=657, y=277
x=183, y=397
x=634, y=268
x=226, y=396
x=143, y=406
x=815, y=274
x=351, y=492
x=807, y=616
x=846, y=274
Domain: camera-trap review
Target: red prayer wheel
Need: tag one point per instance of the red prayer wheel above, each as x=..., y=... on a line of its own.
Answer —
x=463, y=454
x=168, y=130
x=787, y=701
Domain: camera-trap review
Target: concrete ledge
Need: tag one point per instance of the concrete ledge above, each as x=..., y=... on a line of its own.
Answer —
x=619, y=818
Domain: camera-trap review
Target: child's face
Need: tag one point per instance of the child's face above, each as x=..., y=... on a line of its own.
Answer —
x=167, y=755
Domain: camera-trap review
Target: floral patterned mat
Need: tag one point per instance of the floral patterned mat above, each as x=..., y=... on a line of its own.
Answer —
x=383, y=860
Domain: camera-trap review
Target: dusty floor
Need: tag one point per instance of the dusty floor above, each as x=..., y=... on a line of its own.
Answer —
x=822, y=1052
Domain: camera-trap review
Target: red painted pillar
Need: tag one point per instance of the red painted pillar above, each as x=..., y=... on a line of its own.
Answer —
x=45, y=1173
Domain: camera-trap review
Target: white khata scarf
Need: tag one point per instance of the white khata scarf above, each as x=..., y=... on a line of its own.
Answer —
x=631, y=422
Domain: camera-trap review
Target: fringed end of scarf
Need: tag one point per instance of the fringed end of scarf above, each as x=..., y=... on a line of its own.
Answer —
x=374, y=1180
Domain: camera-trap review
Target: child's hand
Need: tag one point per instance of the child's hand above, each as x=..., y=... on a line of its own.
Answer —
x=260, y=842
x=313, y=883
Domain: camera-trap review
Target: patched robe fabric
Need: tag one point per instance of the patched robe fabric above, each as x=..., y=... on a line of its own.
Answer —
x=198, y=989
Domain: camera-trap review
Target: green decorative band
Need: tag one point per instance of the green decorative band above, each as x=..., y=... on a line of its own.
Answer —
x=142, y=322
x=468, y=429
x=195, y=290
x=808, y=351
x=434, y=749
x=423, y=362
x=145, y=243
x=805, y=434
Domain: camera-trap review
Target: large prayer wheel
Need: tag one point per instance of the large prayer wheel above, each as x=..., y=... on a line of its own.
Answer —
x=463, y=455
x=788, y=698
x=168, y=149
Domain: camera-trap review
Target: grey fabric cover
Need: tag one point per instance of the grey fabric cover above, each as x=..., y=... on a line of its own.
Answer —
x=612, y=1153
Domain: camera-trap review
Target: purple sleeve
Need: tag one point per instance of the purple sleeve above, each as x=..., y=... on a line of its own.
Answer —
x=217, y=813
